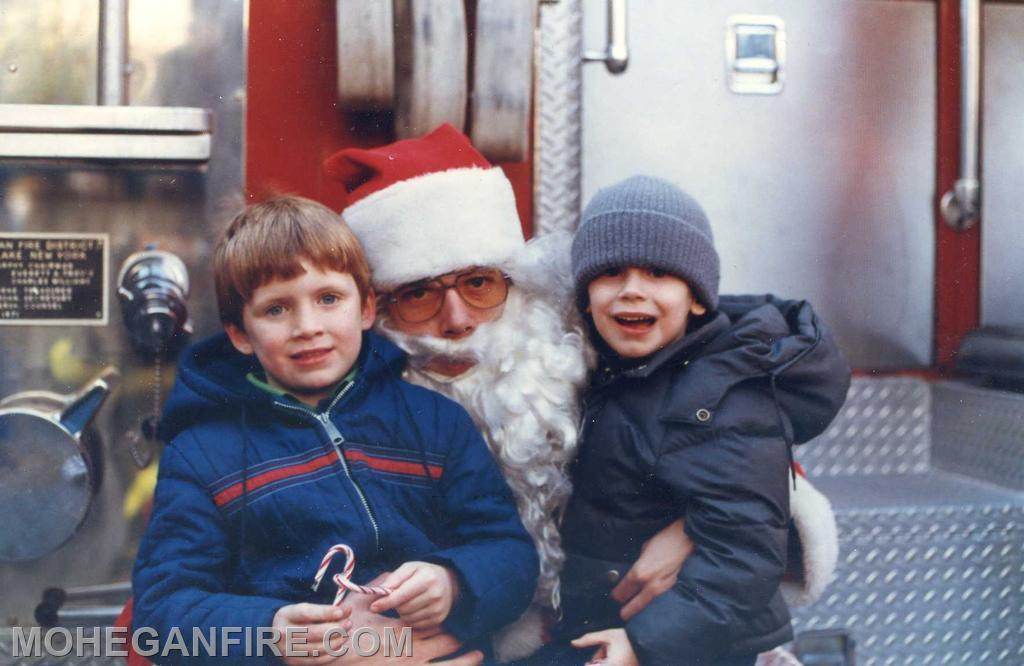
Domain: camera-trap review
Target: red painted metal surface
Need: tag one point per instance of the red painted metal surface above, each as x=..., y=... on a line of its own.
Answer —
x=957, y=253
x=293, y=121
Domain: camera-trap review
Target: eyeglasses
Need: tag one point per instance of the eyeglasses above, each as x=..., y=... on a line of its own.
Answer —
x=481, y=288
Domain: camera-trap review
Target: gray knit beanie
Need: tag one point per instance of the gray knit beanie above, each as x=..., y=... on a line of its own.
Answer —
x=645, y=221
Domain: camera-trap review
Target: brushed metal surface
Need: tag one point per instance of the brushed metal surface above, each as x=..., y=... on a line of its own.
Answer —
x=48, y=54
x=44, y=117
x=112, y=81
x=822, y=192
x=183, y=53
x=164, y=147
x=1002, y=175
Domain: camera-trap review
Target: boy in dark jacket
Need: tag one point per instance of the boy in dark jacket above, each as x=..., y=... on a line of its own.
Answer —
x=292, y=433
x=691, y=413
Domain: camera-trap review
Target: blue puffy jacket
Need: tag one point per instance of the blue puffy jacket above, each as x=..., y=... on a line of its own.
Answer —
x=395, y=471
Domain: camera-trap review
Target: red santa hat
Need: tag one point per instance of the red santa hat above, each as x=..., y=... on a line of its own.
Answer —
x=427, y=206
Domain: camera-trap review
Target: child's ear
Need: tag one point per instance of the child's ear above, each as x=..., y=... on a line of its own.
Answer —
x=698, y=309
x=239, y=338
x=369, y=313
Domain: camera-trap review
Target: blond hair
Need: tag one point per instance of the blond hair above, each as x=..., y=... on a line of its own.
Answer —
x=268, y=241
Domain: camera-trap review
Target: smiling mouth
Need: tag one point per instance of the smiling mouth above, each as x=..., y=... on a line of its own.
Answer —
x=635, y=322
x=310, y=355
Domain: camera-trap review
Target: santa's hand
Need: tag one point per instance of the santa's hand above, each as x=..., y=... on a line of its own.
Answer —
x=655, y=571
x=421, y=592
x=312, y=621
x=613, y=647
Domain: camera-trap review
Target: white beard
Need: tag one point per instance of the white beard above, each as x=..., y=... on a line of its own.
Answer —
x=523, y=395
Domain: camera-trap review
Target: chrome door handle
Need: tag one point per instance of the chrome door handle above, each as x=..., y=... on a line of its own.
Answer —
x=961, y=206
x=616, y=54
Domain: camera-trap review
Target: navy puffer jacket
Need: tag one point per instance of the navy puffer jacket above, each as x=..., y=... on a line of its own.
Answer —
x=701, y=430
x=395, y=471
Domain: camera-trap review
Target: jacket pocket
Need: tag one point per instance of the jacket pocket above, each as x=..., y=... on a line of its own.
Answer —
x=587, y=583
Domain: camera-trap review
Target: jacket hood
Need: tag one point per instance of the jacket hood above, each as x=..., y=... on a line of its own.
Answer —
x=212, y=379
x=753, y=337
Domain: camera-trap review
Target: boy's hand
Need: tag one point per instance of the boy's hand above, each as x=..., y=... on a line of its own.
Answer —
x=421, y=592
x=429, y=646
x=655, y=571
x=613, y=647
x=316, y=620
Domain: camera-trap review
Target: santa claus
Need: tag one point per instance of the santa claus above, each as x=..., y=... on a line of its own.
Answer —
x=488, y=320
x=485, y=317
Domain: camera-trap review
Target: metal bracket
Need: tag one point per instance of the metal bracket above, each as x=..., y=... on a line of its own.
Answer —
x=961, y=205
x=616, y=54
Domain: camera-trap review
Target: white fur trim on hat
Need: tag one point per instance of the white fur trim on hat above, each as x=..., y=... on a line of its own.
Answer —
x=819, y=542
x=436, y=223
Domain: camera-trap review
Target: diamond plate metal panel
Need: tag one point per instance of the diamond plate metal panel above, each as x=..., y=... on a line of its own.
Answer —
x=979, y=432
x=884, y=428
x=928, y=586
x=558, y=128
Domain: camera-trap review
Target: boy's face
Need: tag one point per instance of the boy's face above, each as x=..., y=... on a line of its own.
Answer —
x=638, y=311
x=306, y=331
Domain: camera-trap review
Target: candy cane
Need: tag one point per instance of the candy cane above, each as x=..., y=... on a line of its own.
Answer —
x=344, y=579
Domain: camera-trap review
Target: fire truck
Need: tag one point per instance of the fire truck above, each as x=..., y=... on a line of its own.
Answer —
x=860, y=154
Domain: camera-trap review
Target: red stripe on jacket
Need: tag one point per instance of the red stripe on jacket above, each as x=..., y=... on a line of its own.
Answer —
x=396, y=466
x=234, y=491
x=260, y=480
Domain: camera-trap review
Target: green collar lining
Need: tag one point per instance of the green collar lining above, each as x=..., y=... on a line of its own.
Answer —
x=259, y=381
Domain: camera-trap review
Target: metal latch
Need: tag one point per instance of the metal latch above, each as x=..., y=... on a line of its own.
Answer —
x=755, y=49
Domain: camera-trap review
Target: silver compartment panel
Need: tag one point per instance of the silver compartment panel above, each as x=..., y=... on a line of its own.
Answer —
x=1002, y=176
x=823, y=191
x=183, y=53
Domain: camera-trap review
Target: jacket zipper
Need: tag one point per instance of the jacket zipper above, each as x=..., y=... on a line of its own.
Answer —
x=337, y=439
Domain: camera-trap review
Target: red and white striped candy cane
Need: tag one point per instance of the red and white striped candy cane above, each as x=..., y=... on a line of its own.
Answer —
x=344, y=579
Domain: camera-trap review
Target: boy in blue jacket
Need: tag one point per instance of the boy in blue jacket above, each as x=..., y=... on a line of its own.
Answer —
x=690, y=414
x=291, y=433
